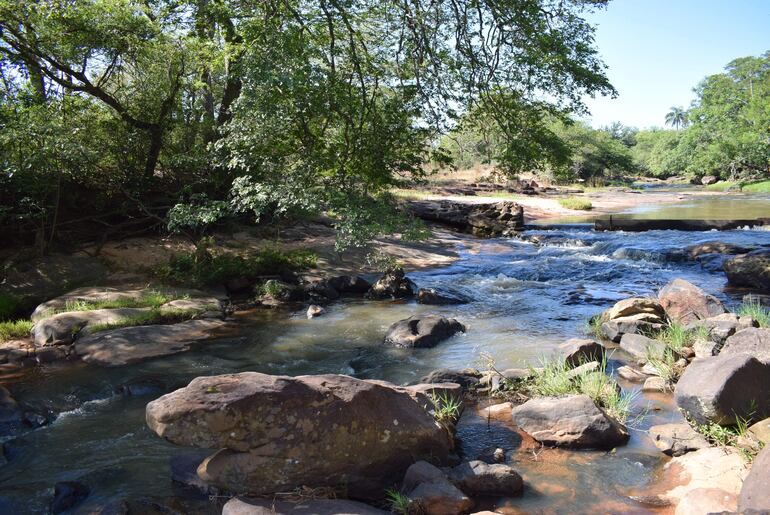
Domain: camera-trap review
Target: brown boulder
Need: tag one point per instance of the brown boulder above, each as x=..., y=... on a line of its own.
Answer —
x=440, y=497
x=392, y=285
x=636, y=306
x=751, y=270
x=477, y=478
x=755, y=493
x=278, y=433
x=421, y=331
x=685, y=303
x=578, y=351
x=753, y=341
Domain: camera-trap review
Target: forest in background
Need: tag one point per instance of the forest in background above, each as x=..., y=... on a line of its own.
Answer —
x=120, y=117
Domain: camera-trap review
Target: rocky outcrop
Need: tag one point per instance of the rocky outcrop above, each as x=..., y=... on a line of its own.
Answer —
x=422, y=331
x=642, y=347
x=755, y=493
x=573, y=421
x=436, y=297
x=119, y=347
x=677, y=439
x=751, y=270
x=753, y=341
x=721, y=388
x=578, y=351
x=246, y=506
x=686, y=303
x=499, y=219
x=278, y=433
x=392, y=285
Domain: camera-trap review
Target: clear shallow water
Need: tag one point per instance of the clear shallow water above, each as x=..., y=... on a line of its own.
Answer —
x=528, y=298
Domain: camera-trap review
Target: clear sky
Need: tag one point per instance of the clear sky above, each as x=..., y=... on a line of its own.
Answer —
x=658, y=50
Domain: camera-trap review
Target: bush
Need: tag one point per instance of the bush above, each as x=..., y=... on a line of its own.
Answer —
x=580, y=204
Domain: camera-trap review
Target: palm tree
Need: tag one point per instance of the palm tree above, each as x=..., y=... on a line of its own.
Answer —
x=677, y=118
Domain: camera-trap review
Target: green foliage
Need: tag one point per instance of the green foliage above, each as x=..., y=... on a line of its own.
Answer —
x=9, y=305
x=15, y=329
x=151, y=299
x=398, y=502
x=446, y=408
x=202, y=268
x=154, y=316
x=593, y=327
x=576, y=203
x=756, y=187
x=753, y=308
x=676, y=336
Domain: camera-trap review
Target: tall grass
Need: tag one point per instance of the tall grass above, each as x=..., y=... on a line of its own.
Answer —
x=754, y=309
x=576, y=203
x=15, y=329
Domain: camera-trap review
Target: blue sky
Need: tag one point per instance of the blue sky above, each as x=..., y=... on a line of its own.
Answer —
x=658, y=50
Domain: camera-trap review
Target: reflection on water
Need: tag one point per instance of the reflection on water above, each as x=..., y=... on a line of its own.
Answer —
x=527, y=299
x=732, y=207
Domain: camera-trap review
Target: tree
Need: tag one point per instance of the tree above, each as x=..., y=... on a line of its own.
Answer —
x=677, y=118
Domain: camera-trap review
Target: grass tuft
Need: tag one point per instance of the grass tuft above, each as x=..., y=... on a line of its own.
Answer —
x=576, y=203
x=754, y=309
x=398, y=502
x=15, y=329
x=446, y=408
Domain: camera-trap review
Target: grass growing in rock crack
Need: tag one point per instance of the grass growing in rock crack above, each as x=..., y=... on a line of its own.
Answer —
x=731, y=436
x=15, y=329
x=754, y=309
x=154, y=316
x=446, y=408
x=666, y=366
x=398, y=502
x=576, y=203
x=555, y=380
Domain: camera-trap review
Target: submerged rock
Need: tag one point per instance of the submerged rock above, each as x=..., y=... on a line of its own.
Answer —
x=421, y=331
x=278, y=433
x=393, y=285
x=119, y=347
x=67, y=495
x=573, y=421
x=440, y=297
x=677, y=439
x=468, y=378
x=751, y=270
x=686, y=303
x=715, y=247
x=721, y=388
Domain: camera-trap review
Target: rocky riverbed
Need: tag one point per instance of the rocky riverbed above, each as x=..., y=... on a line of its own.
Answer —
x=463, y=388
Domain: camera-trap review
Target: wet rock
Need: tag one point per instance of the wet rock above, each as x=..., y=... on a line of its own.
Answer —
x=573, y=421
x=314, y=311
x=488, y=220
x=651, y=309
x=119, y=347
x=477, y=478
x=440, y=497
x=655, y=384
x=642, y=347
x=440, y=297
x=34, y=420
x=421, y=472
x=720, y=468
x=751, y=270
x=184, y=471
x=721, y=388
x=686, y=303
x=715, y=247
x=755, y=493
x=62, y=329
x=392, y=285
x=51, y=354
x=631, y=374
x=677, y=439
x=579, y=351
x=68, y=494
x=465, y=378
x=761, y=431
x=349, y=284
x=421, y=331
x=364, y=434
x=10, y=413
x=246, y=506
x=753, y=341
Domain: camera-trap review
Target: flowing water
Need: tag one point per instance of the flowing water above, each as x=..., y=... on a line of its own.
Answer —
x=528, y=297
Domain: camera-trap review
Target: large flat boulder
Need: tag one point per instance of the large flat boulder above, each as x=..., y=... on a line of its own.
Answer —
x=573, y=421
x=685, y=303
x=422, y=331
x=721, y=388
x=62, y=329
x=751, y=270
x=753, y=341
x=128, y=345
x=246, y=506
x=755, y=493
x=278, y=433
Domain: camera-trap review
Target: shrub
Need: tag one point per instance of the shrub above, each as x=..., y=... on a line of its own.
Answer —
x=576, y=203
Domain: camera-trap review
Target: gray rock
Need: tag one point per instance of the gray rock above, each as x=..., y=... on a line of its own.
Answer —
x=440, y=297
x=721, y=388
x=314, y=311
x=349, y=284
x=642, y=347
x=685, y=303
x=477, y=478
x=753, y=341
x=751, y=270
x=631, y=374
x=62, y=329
x=421, y=331
x=705, y=348
x=655, y=384
x=440, y=497
x=246, y=506
x=708, y=179
x=421, y=472
x=573, y=421
x=465, y=378
x=119, y=347
x=755, y=493
x=585, y=368
x=677, y=439
x=392, y=285
x=579, y=351
x=614, y=330
x=722, y=326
